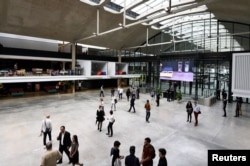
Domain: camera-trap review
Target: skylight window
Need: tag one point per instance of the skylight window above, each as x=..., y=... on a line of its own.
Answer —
x=128, y=2
x=149, y=6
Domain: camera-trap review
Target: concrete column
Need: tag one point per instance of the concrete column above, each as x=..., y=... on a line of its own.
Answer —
x=63, y=67
x=119, y=60
x=73, y=62
x=119, y=56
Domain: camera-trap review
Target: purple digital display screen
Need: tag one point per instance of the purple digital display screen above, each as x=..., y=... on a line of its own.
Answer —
x=182, y=70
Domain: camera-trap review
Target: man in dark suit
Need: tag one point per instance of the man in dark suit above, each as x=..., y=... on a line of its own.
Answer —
x=64, y=143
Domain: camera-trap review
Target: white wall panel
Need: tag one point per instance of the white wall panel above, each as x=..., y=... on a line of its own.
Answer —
x=111, y=68
x=241, y=75
x=86, y=65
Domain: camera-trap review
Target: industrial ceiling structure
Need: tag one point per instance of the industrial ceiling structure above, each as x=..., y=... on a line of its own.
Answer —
x=114, y=24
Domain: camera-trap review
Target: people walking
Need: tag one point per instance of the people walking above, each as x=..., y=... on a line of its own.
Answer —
x=148, y=108
x=46, y=128
x=128, y=93
x=224, y=99
x=112, y=92
x=99, y=118
x=64, y=143
x=111, y=120
x=189, y=108
x=138, y=92
x=113, y=103
x=132, y=104
x=101, y=91
x=120, y=92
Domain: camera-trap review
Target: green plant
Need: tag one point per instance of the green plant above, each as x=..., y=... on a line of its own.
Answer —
x=179, y=95
x=158, y=90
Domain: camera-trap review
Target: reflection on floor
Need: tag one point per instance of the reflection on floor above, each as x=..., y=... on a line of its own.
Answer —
x=187, y=145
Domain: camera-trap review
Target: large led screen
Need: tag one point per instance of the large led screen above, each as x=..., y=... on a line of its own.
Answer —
x=179, y=70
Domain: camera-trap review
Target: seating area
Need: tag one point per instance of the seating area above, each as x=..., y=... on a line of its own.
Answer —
x=21, y=72
x=37, y=71
x=50, y=89
x=121, y=73
x=16, y=91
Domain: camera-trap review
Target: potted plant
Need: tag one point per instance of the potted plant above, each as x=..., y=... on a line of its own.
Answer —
x=158, y=90
x=179, y=96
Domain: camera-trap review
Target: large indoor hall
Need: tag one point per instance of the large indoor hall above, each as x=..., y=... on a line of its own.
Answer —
x=186, y=145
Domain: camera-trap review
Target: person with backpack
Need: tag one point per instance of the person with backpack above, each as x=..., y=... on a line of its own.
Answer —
x=46, y=129
x=148, y=153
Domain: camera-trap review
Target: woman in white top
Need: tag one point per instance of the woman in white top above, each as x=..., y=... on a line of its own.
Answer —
x=196, y=113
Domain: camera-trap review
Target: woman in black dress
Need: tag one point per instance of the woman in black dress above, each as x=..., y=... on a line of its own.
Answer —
x=100, y=118
x=189, y=108
x=74, y=154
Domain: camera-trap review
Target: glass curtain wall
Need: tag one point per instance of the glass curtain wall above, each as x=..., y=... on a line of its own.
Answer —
x=201, y=36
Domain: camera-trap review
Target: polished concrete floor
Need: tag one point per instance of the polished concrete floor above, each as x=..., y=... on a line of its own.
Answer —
x=20, y=123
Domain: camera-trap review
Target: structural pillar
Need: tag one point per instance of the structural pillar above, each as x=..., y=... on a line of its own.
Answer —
x=119, y=55
x=73, y=63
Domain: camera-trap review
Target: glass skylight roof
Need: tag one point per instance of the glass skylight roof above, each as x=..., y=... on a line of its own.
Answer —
x=149, y=6
x=176, y=18
x=122, y=2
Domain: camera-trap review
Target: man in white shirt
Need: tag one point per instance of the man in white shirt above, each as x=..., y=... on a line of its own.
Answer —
x=111, y=120
x=101, y=91
x=120, y=91
x=46, y=128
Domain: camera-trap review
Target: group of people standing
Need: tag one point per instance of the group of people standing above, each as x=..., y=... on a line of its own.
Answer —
x=66, y=144
x=148, y=154
x=239, y=101
x=190, y=109
x=196, y=109
x=100, y=117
